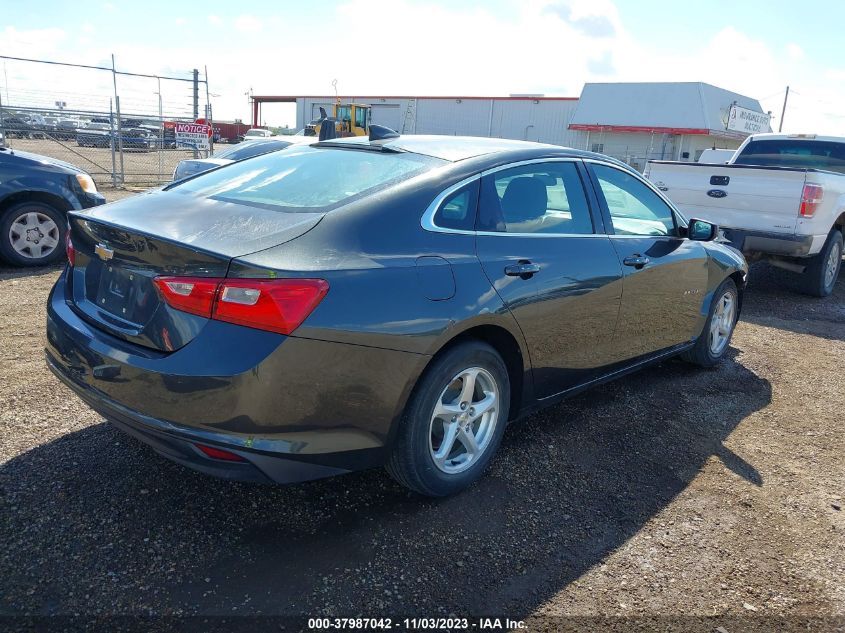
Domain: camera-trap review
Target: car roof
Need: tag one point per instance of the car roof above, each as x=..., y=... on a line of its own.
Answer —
x=458, y=148
x=451, y=148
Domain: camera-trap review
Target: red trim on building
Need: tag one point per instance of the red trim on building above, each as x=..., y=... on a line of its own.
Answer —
x=642, y=129
x=293, y=98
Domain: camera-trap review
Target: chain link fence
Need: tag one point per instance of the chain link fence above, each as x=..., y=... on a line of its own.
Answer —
x=119, y=127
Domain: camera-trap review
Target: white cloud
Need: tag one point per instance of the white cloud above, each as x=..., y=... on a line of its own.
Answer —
x=795, y=52
x=534, y=46
x=248, y=23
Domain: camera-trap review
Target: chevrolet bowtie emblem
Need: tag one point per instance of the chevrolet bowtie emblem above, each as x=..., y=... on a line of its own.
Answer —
x=103, y=252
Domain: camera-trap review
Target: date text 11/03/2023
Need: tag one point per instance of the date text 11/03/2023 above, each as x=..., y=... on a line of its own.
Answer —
x=415, y=624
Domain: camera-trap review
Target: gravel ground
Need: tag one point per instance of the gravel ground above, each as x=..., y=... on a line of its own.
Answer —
x=674, y=499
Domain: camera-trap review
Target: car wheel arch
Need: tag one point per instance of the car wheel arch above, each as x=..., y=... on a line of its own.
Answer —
x=45, y=197
x=739, y=280
x=508, y=345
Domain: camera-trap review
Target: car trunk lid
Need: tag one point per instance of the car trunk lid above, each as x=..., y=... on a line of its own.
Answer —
x=121, y=248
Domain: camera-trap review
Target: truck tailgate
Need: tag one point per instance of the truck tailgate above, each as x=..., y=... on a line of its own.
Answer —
x=734, y=196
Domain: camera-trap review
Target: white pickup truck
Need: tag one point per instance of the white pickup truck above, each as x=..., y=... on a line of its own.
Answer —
x=780, y=198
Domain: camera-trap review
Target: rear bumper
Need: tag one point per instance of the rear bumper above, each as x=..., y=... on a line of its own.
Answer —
x=785, y=245
x=180, y=444
x=293, y=409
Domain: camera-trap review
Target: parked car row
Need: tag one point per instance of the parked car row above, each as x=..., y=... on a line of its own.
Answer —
x=96, y=131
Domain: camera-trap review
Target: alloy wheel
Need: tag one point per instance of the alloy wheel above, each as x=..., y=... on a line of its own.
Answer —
x=464, y=420
x=722, y=323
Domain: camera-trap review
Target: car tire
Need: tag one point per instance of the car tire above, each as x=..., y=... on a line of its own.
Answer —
x=46, y=222
x=819, y=278
x=715, y=337
x=421, y=458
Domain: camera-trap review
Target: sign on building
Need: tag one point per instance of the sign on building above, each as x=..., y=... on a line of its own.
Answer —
x=193, y=135
x=744, y=120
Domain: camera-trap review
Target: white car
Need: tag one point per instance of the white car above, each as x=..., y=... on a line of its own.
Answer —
x=257, y=133
x=241, y=151
x=781, y=198
x=716, y=156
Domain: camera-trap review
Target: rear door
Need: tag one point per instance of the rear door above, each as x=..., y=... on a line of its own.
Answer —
x=545, y=253
x=665, y=275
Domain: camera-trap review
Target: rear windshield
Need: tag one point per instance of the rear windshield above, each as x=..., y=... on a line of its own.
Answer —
x=306, y=179
x=248, y=150
x=794, y=153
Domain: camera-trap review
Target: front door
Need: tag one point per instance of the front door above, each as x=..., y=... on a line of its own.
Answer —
x=665, y=275
x=547, y=257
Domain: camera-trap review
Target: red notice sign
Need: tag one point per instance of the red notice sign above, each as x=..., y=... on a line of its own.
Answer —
x=193, y=135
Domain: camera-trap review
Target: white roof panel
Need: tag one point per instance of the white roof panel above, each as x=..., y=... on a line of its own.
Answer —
x=670, y=105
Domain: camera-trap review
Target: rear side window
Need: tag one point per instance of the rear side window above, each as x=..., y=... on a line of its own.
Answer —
x=535, y=198
x=458, y=210
x=307, y=179
x=805, y=154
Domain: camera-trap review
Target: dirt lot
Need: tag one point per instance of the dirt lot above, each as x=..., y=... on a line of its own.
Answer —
x=674, y=499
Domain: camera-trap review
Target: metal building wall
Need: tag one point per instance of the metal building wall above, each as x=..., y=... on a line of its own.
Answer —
x=545, y=121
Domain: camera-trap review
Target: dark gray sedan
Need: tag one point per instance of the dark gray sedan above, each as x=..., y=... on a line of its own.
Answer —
x=379, y=302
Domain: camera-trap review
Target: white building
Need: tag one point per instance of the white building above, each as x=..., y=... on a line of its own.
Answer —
x=630, y=121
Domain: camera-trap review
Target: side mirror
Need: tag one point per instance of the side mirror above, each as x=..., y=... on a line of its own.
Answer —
x=701, y=230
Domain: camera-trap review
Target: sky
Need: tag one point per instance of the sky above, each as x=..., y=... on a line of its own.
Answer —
x=410, y=47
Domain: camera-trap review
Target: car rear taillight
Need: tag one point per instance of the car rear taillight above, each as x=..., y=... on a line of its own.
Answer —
x=189, y=294
x=811, y=197
x=70, y=250
x=275, y=305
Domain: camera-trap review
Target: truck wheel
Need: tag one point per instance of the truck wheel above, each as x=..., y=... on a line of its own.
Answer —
x=32, y=234
x=453, y=423
x=819, y=278
x=715, y=337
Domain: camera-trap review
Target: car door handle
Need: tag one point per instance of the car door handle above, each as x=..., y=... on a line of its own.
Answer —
x=524, y=269
x=637, y=261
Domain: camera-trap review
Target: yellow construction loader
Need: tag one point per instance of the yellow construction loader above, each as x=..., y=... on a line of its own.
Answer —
x=350, y=119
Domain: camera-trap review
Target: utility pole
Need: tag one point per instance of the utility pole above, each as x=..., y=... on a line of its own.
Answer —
x=196, y=102
x=196, y=94
x=209, y=118
x=783, y=112
x=119, y=123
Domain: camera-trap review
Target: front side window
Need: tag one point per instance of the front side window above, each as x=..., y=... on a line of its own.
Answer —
x=535, y=198
x=343, y=113
x=306, y=179
x=634, y=208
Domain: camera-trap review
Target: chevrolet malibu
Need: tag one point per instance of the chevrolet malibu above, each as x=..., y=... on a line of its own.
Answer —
x=392, y=301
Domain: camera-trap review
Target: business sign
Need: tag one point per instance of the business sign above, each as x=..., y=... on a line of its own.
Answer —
x=193, y=135
x=744, y=120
